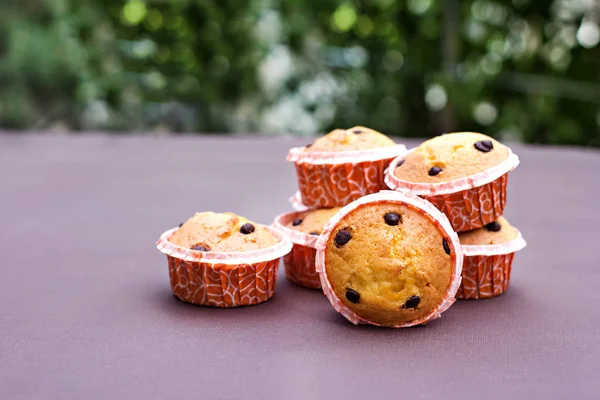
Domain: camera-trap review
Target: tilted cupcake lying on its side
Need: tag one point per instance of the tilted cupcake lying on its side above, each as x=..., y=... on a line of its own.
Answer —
x=223, y=260
x=342, y=166
x=303, y=229
x=463, y=174
x=389, y=259
x=488, y=257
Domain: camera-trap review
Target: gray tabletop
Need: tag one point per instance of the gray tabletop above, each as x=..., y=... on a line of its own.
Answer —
x=86, y=309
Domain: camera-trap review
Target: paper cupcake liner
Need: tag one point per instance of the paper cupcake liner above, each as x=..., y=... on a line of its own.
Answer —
x=334, y=179
x=223, y=279
x=296, y=202
x=487, y=268
x=470, y=202
x=297, y=154
x=300, y=262
x=436, y=217
x=300, y=267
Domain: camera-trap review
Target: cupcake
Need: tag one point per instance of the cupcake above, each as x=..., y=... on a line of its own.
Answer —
x=303, y=229
x=343, y=166
x=463, y=174
x=389, y=259
x=223, y=260
x=488, y=257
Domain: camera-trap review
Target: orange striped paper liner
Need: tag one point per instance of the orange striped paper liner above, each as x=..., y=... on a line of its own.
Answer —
x=487, y=268
x=334, y=179
x=300, y=262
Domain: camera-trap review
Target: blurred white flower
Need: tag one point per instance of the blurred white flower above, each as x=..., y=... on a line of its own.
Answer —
x=275, y=69
x=588, y=34
x=485, y=113
x=436, y=97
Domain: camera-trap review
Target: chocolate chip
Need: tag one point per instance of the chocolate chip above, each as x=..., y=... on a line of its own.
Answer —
x=352, y=296
x=315, y=233
x=493, y=226
x=200, y=248
x=297, y=222
x=180, y=224
x=400, y=163
x=247, y=228
x=433, y=171
x=342, y=237
x=392, y=218
x=446, y=246
x=357, y=131
x=412, y=302
x=484, y=145
x=308, y=145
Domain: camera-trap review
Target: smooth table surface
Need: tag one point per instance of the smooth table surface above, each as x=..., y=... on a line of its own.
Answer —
x=86, y=310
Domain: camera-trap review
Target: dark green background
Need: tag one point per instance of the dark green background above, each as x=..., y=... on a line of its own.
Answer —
x=512, y=69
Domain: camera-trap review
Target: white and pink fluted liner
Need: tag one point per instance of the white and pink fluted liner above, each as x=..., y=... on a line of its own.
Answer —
x=512, y=246
x=426, y=208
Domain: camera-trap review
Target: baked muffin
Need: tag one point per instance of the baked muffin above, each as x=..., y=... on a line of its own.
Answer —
x=303, y=229
x=451, y=156
x=357, y=138
x=390, y=261
x=343, y=166
x=496, y=232
x=223, y=260
x=488, y=257
x=463, y=174
x=225, y=232
x=312, y=221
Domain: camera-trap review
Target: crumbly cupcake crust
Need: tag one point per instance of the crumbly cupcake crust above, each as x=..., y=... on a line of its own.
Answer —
x=312, y=222
x=497, y=232
x=356, y=138
x=222, y=232
x=451, y=156
x=388, y=262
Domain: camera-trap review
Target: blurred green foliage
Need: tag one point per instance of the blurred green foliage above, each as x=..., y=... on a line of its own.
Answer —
x=523, y=70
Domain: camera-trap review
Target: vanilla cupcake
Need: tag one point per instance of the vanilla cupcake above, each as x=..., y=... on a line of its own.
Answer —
x=343, y=166
x=303, y=229
x=488, y=257
x=389, y=259
x=463, y=174
x=223, y=260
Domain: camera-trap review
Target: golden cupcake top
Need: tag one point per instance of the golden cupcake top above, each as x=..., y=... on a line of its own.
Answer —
x=210, y=231
x=357, y=138
x=313, y=221
x=451, y=156
x=389, y=262
x=496, y=232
